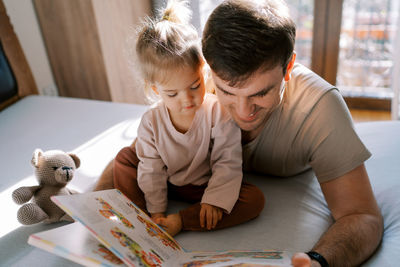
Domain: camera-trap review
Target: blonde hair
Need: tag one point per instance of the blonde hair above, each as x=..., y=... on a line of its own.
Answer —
x=167, y=43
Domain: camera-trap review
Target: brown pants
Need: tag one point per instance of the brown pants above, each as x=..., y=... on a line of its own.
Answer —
x=249, y=205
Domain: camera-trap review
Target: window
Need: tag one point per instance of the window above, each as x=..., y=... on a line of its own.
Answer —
x=366, y=48
x=357, y=53
x=302, y=12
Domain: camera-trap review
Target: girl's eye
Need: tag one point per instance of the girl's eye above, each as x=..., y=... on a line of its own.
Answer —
x=172, y=95
x=195, y=88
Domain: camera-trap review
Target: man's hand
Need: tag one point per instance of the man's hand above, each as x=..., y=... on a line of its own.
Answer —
x=302, y=260
x=209, y=216
x=156, y=217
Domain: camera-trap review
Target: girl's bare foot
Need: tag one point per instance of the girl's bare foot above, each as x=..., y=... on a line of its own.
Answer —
x=172, y=223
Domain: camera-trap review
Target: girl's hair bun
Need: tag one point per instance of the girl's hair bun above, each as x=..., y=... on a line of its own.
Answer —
x=177, y=11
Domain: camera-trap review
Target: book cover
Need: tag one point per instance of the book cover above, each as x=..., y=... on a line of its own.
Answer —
x=133, y=237
x=74, y=242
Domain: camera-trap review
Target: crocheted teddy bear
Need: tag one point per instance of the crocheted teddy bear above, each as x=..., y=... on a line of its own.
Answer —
x=54, y=169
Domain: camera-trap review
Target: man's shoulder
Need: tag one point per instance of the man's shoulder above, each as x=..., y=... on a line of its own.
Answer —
x=303, y=78
x=305, y=89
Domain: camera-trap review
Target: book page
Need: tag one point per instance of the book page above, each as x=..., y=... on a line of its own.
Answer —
x=236, y=258
x=122, y=227
x=74, y=242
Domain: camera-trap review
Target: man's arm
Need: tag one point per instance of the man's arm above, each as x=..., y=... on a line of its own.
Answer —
x=358, y=226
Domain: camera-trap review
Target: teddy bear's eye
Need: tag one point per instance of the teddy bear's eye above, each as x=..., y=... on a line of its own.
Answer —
x=55, y=168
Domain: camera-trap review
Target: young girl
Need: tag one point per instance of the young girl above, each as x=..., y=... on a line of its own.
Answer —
x=187, y=147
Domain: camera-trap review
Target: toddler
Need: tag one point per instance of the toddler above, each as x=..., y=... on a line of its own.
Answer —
x=187, y=148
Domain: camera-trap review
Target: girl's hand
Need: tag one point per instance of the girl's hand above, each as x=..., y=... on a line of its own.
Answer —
x=209, y=216
x=156, y=217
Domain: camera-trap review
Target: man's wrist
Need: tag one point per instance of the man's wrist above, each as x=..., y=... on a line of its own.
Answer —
x=318, y=257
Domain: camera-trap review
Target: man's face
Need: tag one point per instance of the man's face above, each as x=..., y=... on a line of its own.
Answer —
x=251, y=104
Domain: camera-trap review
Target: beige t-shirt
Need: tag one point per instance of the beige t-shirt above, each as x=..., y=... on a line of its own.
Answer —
x=209, y=152
x=311, y=128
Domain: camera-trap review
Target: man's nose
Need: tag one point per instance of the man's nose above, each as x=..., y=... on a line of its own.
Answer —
x=244, y=107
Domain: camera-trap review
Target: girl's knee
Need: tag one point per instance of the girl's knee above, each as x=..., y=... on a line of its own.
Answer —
x=254, y=199
x=125, y=155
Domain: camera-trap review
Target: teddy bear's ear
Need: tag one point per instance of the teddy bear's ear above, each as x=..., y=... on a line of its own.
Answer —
x=76, y=160
x=35, y=157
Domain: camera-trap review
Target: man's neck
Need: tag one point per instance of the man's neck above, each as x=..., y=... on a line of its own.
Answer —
x=248, y=136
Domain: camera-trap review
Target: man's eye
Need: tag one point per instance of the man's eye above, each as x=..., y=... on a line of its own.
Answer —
x=226, y=93
x=262, y=94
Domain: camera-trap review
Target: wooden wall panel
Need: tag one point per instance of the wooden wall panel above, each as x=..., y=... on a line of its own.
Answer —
x=73, y=45
x=90, y=42
x=117, y=23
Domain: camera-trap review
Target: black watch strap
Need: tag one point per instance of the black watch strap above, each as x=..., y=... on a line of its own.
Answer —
x=318, y=257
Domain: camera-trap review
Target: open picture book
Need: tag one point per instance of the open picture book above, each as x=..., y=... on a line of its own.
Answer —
x=111, y=231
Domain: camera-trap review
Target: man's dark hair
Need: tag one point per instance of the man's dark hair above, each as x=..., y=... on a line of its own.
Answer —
x=244, y=36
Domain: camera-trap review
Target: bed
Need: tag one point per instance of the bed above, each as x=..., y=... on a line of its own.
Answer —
x=294, y=217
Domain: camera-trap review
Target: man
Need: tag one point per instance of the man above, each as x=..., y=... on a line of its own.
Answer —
x=292, y=120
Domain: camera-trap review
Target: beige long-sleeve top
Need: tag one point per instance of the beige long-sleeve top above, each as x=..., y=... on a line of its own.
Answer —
x=209, y=152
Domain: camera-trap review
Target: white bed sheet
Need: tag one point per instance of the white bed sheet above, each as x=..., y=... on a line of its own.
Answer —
x=294, y=217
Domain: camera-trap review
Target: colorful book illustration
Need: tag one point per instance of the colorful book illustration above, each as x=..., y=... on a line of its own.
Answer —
x=118, y=228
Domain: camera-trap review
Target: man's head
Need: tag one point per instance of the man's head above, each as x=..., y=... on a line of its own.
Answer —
x=244, y=36
x=249, y=47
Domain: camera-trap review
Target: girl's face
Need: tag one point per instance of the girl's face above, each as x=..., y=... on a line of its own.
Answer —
x=183, y=92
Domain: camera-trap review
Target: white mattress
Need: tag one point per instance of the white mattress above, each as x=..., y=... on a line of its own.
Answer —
x=294, y=217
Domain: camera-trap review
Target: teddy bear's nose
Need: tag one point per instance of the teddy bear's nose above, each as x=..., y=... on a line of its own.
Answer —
x=67, y=172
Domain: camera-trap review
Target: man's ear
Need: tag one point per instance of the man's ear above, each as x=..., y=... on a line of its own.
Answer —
x=289, y=67
x=154, y=88
x=35, y=157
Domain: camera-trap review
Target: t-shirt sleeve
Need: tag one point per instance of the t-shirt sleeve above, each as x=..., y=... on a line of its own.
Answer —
x=226, y=164
x=152, y=174
x=333, y=146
